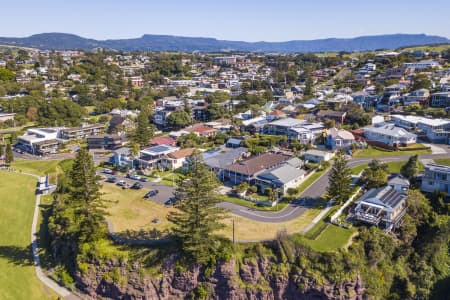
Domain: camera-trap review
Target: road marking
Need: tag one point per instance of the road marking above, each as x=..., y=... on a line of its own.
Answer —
x=270, y=217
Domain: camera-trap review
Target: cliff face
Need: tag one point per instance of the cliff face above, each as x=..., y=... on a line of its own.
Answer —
x=257, y=279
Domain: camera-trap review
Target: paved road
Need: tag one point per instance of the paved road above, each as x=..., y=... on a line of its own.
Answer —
x=314, y=191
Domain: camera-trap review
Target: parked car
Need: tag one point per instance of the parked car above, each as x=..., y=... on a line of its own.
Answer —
x=151, y=194
x=135, y=177
x=136, y=186
x=111, y=179
x=143, y=179
x=171, y=201
x=121, y=183
x=107, y=171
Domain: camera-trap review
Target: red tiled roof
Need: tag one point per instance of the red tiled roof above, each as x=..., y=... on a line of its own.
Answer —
x=202, y=128
x=162, y=140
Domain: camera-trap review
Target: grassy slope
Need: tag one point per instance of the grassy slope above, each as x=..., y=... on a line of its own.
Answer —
x=17, y=275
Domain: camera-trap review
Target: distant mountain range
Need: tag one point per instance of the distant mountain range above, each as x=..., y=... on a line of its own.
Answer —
x=149, y=42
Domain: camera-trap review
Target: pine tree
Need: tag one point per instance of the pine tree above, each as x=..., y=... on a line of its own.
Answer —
x=1, y=150
x=9, y=155
x=86, y=199
x=411, y=168
x=143, y=132
x=198, y=218
x=339, y=180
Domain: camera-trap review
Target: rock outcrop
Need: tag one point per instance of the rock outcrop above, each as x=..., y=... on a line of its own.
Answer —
x=259, y=278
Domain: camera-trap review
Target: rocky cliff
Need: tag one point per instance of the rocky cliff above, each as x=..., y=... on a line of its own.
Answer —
x=259, y=278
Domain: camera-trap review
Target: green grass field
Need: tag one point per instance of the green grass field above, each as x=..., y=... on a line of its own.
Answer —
x=393, y=167
x=17, y=275
x=442, y=161
x=372, y=152
x=38, y=167
x=332, y=238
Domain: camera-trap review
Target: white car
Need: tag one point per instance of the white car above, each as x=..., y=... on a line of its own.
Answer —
x=107, y=171
x=135, y=177
x=121, y=183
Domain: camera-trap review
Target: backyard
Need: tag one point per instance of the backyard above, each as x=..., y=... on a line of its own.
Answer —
x=17, y=277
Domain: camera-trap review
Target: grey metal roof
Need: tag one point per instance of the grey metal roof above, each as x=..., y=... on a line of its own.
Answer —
x=221, y=158
x=282, y=174
x=287, y=122
x=385, y=196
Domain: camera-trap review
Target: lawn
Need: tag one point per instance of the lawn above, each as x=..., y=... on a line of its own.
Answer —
x=17, y=275
x=442, y=161
x=38, y=167
x=131, y=212
x=393, y=167
x=331, y=238
x=373, y=152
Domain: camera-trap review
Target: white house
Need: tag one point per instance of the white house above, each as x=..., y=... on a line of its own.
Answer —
x=176, y=159
x=424, y=64
x=436, y=130
x=317, y=156
x=390, y=135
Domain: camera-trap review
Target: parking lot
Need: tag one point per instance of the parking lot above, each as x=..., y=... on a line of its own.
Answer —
x=165, y=192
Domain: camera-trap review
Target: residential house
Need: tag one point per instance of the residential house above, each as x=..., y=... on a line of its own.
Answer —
x=436, y=177
x=248, y=169
x=390, y=135
x=338, y=116
x=176, y=159
x=218, y=159
x=163, y=140
x=105, y=141
x=202, y=130
x=282, y=177
x=120, y=125
x=383, y=207
x=317, y=156
x=122, y=157
x=150, y=158
x=441, y=99
x=7, y=117
x=399, y=183
x=76, y=133
x=234, y=142
x=417, y=97
x=339, y=138
x=436, y=130
x=420, y=65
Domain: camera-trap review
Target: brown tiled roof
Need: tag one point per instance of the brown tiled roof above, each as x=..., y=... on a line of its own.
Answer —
x=202, y=128
x=181, y=153
x=330, y=113
x=258, y=163
x=162, y=140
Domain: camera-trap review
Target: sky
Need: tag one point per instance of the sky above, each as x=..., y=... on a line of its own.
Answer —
x=246, y=20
